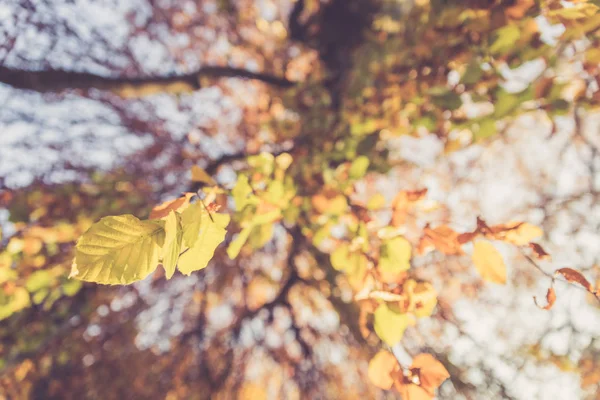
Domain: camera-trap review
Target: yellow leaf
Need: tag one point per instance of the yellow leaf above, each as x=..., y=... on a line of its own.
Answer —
x=118, y=250
x=390, y=325
x=211, y=234
x=200, y=175
x=173, y=241
x=395, y=256
x=236, y=244
x=523, y=234
x=489, y=262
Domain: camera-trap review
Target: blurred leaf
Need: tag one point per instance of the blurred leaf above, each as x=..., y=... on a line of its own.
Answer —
x=381, y=367
x=359, y=167
x=523, y=234
x=489, y=262
x=486, y=128
x=38, y=280
x=550, y=299
x=200, y=175
x=432, y=373
x=395, y=256
x=505, y=39
x=242, y=193
x=236, y=244
x=390, y=325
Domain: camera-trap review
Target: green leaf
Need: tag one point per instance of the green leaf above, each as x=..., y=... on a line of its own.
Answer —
x=506, y=103
x=395, y=256
x=118, y=250
x=446, y=99
x=473, y=73
x=390, y=325
x=236, y=244
x=359, y=167
x=212, y=233
x=173, y=242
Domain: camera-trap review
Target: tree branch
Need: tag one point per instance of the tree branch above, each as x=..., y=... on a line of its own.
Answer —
x=55, y=80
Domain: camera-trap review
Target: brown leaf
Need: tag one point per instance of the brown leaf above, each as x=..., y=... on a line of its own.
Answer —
x=489, y=262
x=432, y=373
x=575, y=277
x=539, y=251
x=381, y=368
x=550, y=299
x=163, y=209
x=466, y=237
x=442, y=238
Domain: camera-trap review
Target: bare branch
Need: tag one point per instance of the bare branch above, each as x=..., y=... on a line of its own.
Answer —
x=55, y=80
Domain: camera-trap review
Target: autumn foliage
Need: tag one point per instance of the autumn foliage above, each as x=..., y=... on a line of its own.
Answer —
x=307, y=184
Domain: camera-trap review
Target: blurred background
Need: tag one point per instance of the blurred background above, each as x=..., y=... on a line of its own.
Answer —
x=105, y=105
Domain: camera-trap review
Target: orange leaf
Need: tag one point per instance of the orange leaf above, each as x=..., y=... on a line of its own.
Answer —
x=432, y=373
x=409, y=391
x=442, y=238
x=550, y=299
x=381, y=367
x=575, y=277
x=402, y=202
x=163, y=209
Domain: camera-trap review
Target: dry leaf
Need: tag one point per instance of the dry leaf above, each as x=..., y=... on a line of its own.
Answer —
x=381, y=368
x=550, y=299
x=163, y=209
x=442, y=238
x=575, y=277
x=539, y=251
x=489, y=262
